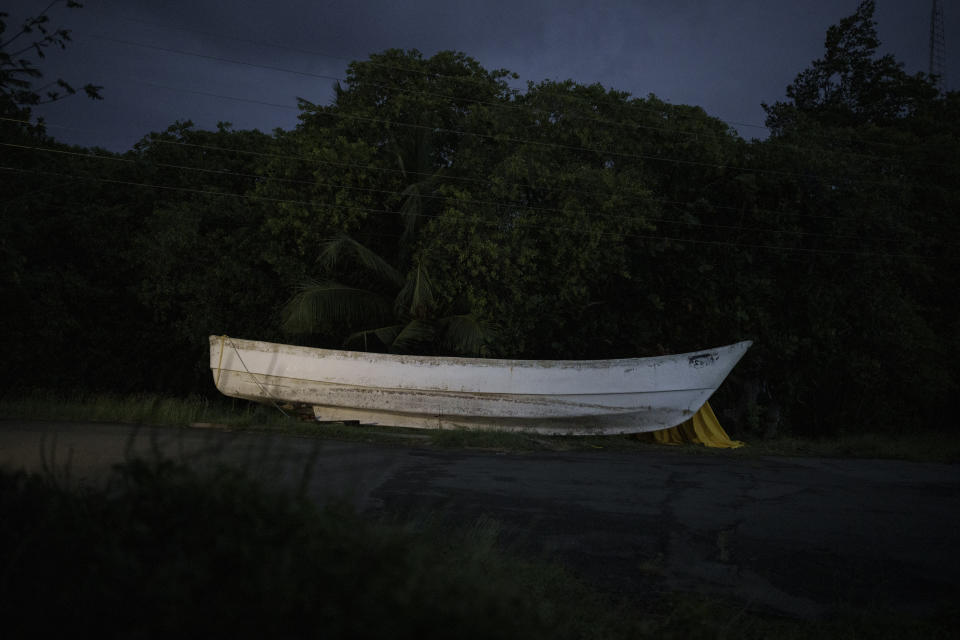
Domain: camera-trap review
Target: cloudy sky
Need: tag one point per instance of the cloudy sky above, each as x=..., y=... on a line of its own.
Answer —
x=156, y=62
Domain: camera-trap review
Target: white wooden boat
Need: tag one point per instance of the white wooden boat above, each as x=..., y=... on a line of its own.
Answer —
x=571, y=397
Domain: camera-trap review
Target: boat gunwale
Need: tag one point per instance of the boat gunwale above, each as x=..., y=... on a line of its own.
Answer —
x=467, y=361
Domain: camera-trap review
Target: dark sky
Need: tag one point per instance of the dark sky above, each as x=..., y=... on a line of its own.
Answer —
x=726, y=57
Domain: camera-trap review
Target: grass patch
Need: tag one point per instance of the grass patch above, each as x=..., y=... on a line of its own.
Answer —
x=137, y=409
x=165, y=550
x=921, y=446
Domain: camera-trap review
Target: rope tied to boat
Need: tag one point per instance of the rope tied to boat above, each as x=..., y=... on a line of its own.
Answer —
x=266, y=393
x=220, y=363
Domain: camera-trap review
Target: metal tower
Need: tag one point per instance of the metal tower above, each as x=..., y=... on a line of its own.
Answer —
x=937, y=43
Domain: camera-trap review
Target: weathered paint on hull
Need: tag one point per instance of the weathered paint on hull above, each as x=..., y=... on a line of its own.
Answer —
x=565, y=397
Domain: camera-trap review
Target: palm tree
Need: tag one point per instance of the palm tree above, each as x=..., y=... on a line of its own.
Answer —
x=398, y=310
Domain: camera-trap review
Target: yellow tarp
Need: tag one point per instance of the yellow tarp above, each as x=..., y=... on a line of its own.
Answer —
x=703, y=428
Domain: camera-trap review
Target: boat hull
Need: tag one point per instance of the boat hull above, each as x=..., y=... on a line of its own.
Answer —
x=542, y=396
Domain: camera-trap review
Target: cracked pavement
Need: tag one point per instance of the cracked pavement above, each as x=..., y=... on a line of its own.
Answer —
x=796, y=536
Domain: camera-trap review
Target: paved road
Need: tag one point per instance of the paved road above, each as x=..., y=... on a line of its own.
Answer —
x=795, y=535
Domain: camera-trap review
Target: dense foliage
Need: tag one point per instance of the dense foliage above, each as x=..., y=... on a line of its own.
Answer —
x=431, y=207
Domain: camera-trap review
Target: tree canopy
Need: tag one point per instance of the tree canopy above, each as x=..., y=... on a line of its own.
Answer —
x=19, y=72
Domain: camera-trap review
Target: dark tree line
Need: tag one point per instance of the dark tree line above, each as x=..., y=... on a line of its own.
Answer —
x=430, y=207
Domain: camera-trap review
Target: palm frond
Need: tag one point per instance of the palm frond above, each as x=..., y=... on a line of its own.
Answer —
x=412, y=338
x=400, y=163
x=415, y=155
x=466, y=334
x=417, y=162
x=411, y=203
x=416, y=299
x=327, y=302
x=384, y=335
x=334, y=250
x=424, y=148
x=410, y=212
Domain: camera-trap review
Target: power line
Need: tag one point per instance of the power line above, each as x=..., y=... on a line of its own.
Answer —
x=511, y=204
x=459, y=132
x=499, y=204
x=496, y=223
x=501, y=105
x=466, y=79
x=311, y=52
x=522, y=141
x=480, y=181
x=450, y=77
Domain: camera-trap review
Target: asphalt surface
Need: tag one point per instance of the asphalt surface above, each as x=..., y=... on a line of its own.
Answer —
x=798, y=536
